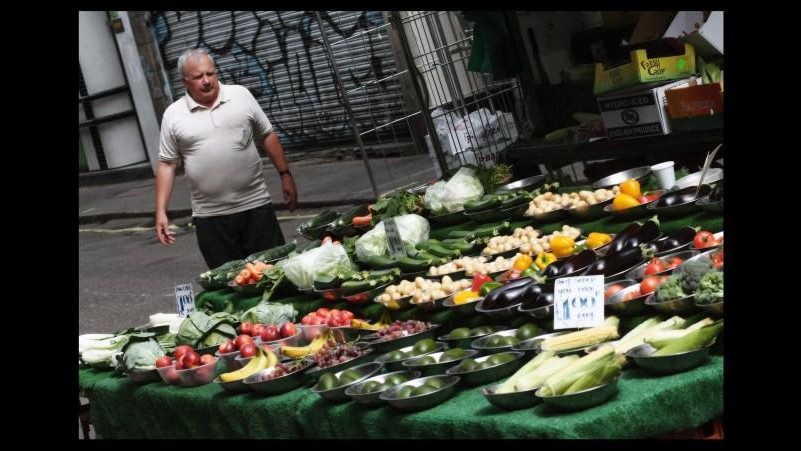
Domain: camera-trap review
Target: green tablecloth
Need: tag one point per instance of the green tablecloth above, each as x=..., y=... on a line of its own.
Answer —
x=645, y=406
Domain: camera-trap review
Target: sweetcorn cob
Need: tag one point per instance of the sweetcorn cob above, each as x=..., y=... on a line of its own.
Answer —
x=584, y=337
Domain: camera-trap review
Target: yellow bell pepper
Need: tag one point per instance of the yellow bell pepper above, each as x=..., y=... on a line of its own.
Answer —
x=522, y=262
x=597, y=239
x=562, y=246
x=544, y=259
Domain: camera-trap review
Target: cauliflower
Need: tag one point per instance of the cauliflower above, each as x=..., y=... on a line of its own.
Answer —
x=710, y=289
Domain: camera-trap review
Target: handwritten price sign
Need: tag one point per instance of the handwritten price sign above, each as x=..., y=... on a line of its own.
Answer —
x=578, y=302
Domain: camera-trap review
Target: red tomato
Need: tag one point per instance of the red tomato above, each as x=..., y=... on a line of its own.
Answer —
x=717, y=260
x=305, y=320
x=347, y=314
x=163, y=361
x=673, y=262
x=257, y=328
x=631, y=295
x=315, y=320
x=703, y=239
x=247, y=350
x=288, y=329
x=609, y=292
x=656, y=265
x=322, y=311
x=181, y=351
x=206, y=359
x=649, y=284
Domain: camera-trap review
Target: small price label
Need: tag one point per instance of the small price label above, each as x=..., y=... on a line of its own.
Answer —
x=578, y=302
x=184, y=299
x=394, y=242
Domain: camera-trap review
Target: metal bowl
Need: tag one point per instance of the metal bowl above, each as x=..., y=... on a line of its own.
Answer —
x=681, y=306
x=488, y=215
x=251, y=289
x=528, y=183
x=710, y=205
x=681, y=206
x=383, y=345
x=447, y=219
x=548, y=217
x=466, y=309
x=397, y=365
x=235, y=387
x=396, y=305
x=424, y=401
x=582, y=400
x=515, y=211
x=312, y=331
x=481, y=345
x=616, y=305
x=533, y=344
x=490, y=374
x=313, y=374
x=285, y=383
x=691, y=180
x=372, y=398
x=337, y=394
x=365, y=296
x=589, y=212
x=433, y=305
x=511, y=401
x=636, y=212
x=430, y=369
x=230, y=359
x=641, y=174
x=465, y=341
x=715, y=308
x=498, y=313
x=330, y=294
x=668, y=364
x=638, y=272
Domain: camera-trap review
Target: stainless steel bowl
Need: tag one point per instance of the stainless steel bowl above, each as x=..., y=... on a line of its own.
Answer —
x=641, y=174
x=424, y=401
x=511, y=401
x=285, y=383
x=532, y=344
x=481, y=345
x=337, y=394
x=466, y=309
x=681, y=306
x=397, y=365
x=396, y=305
x=372, y=398
x=482, y=376
x=548, y=217
x=584, y=399
x=710, y=205
x=528, y=183
x=682, y=206
x=715, y=308
x=668, y=364
x=430, y=369
x=465, y=341
x=382, y=345
x=433, y=305
x=691, y=180
x=365, y=296
x=616, y=305
x=589, y=212
x=235, y=387
x=313, y=374
x=635, y=212
x=251, y=289
x=638, y=273
x=498, y=313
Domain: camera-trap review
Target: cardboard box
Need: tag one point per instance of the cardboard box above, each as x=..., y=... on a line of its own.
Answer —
x=638, y=111
x=705, y=35
x=694, y=100
x=643, y=68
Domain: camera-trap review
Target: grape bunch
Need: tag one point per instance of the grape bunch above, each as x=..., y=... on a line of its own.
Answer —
x=283, y=368
x=332, y=355
x=402, y=328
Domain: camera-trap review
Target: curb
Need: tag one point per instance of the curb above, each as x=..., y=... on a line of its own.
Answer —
x=173, y=214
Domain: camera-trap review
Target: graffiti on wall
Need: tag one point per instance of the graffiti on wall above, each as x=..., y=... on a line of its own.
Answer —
x=282, y=59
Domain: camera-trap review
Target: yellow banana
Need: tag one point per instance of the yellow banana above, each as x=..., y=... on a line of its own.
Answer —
x=257, y=363
x=297, y=352
x=272, y=359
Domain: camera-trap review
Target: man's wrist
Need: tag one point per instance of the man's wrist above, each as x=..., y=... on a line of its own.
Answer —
x=284, y=172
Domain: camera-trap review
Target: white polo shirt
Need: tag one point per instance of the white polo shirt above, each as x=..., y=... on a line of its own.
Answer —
x=218, y=149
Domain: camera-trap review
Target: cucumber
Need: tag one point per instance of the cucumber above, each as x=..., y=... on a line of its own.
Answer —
x=491, y=230
x=425, y=244
x=327, y=282
x=347, y=218
x=514, y=201
x=321, y=219
x=456, y=234
x=482, y=204
x=380, y=262
x=441, y=251
x=357, y=286
x=408, y=264
x=272, y=254
x=433, y=259
x=460, y=245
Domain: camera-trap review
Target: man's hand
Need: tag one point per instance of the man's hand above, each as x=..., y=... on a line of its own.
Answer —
x=163, y=230
x=290, y=192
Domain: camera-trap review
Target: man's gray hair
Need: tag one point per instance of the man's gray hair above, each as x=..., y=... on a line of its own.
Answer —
x=191, y=53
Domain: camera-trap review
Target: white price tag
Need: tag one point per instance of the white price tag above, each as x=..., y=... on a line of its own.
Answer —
x=578, y=302
x=394, y=241
x=184, y=299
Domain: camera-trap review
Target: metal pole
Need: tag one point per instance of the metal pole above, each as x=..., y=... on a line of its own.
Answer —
x=330, y=53
x=418, y=89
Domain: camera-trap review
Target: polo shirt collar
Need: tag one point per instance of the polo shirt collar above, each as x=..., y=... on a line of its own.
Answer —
x=222, y=97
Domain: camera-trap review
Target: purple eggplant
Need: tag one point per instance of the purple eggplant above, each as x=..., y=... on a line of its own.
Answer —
x=619, y=241
x=647, y=233
x=613, y=264
x=507, y=295
x=544, y=299
x=676, y=239
x=578, y=262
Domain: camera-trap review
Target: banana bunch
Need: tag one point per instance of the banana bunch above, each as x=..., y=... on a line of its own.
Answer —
x=383, y=322
x=263, y=359
x=297, y=352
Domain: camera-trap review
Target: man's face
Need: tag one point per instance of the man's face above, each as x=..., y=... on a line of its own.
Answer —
x=200, y=79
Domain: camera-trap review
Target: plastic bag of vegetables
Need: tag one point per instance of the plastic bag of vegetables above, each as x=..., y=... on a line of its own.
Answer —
x=325, y=260
x=413, y=229
x=450, y=196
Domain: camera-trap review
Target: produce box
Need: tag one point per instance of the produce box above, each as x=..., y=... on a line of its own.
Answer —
x=637, y=111
x=644, y=67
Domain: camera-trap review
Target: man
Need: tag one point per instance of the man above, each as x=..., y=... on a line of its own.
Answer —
x=213, y=130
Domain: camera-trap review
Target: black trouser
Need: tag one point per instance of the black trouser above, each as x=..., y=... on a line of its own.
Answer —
x=235, y=236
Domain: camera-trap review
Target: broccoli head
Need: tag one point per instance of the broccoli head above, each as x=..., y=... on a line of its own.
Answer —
x=692, y=272
x=671, y=289
x=710, y=290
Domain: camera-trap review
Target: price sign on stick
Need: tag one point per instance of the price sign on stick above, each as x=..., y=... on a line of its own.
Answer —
x=394, y=241
x=185, y=299
x=578, y=302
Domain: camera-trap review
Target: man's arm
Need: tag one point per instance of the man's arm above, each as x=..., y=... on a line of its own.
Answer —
x=275, y=151
x=165, y=178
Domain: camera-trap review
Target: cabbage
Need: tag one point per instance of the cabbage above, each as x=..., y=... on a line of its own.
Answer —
x=195, y=326
x=413, y=229
x=270, y=313
x=326, y=260
x=464, y=186
x=141, y=356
